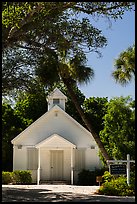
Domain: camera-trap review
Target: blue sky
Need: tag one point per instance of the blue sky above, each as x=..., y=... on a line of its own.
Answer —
x=120, y=36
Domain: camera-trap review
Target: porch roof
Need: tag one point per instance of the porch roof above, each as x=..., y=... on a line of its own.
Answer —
x=55, y=141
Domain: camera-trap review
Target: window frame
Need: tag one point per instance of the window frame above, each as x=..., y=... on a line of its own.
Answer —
x=56, y=101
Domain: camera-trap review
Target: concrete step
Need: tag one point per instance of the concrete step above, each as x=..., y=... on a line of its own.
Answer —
x=55, y=182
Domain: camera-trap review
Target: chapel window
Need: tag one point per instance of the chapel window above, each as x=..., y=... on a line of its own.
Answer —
x=55, y=101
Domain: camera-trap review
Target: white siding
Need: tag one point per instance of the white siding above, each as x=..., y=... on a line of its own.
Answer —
x=19, y=158
x=32, y=158
x=79, y=159
x=45, y=164
x=67, y=169
x=92, y=160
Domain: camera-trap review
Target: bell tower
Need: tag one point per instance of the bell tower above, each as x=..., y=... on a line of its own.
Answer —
x=56, y=98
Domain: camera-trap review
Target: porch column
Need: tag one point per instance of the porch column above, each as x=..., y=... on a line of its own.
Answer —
x=38, y=170
x=72, y=167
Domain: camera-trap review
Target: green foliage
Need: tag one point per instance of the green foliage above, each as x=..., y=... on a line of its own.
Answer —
x=132, y=179
x=117, y=187
x=7, y=177
x=12, y=125
x=107, y=176
x=64, y=67
x=31, y=104
x=16, y=71
x=125, y=66
x=29, y=17
x=17, y=177
x=95, y=108
x=22, y=176
x=31, y=31
x=118, y=134
x=87, y=177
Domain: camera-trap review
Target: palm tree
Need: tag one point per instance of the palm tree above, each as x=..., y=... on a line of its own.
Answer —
x=125, y=66
x=70, y=71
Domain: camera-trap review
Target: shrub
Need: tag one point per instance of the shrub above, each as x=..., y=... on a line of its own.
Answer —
x=6, y=177
x=17, y=177
x=22, y=176
x=107, y=189
x=132, y=180
x=117, y=187
x=107, y=176
x=87, y=177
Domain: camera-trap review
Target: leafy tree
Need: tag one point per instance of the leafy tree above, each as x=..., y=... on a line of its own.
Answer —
x=19, y=19
x=17, y=70
x=12, y=125
x=95, y=109
x=125, y=66
x=118, y=135
x=31, y=104
x=33, y=29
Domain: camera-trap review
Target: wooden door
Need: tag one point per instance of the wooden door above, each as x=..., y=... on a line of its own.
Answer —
x=56, y=165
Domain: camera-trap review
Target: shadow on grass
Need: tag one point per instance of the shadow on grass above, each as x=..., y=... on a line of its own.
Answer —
x=10, y=194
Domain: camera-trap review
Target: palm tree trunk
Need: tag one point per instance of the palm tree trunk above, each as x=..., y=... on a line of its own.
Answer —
x=69, y=86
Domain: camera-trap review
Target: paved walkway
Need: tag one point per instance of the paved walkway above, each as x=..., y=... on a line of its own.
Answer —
x=57, y=193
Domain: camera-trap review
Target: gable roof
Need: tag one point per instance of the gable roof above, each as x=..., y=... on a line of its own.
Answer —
x=56, y=93
x=55, y=140
x=55, y=108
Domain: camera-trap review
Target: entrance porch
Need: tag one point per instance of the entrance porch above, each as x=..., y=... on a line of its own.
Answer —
x=55, y=160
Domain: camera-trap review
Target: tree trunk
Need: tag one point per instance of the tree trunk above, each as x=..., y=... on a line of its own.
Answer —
x=69, y=86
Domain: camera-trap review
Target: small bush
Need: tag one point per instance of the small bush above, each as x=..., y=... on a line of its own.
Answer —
x=87, y=177
x=107, y=176
x=7, y=177
x=22, y=176
x=117, y=187
x=107, y=189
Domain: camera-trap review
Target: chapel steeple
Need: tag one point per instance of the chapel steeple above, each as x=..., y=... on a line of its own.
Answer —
x=56, y=98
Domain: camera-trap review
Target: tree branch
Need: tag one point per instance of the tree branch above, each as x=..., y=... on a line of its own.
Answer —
x=103, y=9
x=29, y=16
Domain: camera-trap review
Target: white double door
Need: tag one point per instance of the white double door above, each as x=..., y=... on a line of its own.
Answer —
x=56, y=165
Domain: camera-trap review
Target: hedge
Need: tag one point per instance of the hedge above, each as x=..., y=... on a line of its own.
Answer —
x=17, y=177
